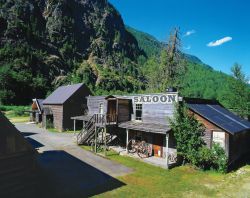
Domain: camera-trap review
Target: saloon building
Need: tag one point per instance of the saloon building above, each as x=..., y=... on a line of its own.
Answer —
x=145, y=117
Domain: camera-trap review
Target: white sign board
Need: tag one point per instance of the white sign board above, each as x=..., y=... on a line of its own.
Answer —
x=153, y=99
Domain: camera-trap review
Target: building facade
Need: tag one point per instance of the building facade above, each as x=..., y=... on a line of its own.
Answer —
x=62, y=104
x=144, y=117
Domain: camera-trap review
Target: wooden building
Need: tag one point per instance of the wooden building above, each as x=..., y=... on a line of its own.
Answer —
x=36, y=110
x=141, y=117
x=222, y=126
x=145, y=117
x=62, y=104
x=17, y=162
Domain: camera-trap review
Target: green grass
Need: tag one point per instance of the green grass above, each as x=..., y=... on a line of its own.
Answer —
x=15, y=113
x=183, y=181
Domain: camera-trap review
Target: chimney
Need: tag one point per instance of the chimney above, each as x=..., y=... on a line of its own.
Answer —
x=171, y=89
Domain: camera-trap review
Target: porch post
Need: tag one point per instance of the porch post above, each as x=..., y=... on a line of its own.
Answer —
x=127, y=141
x=105, y=140
x=167, y=138
x=95, y=140
x=74, y=125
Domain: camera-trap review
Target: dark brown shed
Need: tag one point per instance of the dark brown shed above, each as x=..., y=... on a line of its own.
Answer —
x=64, y=103
x=222, y=126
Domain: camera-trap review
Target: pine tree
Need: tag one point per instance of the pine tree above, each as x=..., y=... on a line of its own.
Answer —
x=174, y=65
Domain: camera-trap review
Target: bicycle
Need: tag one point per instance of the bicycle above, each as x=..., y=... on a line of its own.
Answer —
x=139, y=147
x=172, y=157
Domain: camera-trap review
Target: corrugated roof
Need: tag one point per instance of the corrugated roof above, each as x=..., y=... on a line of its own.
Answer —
x=146, y=127
x=62, y=94
x=221, y=117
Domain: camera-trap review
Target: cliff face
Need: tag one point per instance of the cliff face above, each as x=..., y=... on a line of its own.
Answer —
x=48, y=39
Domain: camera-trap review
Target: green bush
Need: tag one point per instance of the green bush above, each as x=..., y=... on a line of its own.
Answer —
x=15, y=110
x=212, y=159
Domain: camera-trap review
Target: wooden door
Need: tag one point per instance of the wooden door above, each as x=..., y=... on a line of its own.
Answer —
x=157, y=145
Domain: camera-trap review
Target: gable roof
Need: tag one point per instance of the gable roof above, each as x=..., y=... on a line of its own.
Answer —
x=39, y=103
x=18, y=142
x=62, y=94
x=220, y=116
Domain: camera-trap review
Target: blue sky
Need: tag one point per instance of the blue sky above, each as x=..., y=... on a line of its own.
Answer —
x=219, y=30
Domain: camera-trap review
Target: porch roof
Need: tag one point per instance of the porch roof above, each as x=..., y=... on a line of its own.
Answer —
x=146, y=127
x=82, y=118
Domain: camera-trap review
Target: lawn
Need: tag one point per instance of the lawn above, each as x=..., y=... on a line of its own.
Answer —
x=15, y=113
x=183, y=181
x=16, y=118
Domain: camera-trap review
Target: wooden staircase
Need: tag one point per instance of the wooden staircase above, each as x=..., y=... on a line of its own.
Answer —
x=95, y=125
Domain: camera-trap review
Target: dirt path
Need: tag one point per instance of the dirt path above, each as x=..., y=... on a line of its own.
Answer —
x=70, y=169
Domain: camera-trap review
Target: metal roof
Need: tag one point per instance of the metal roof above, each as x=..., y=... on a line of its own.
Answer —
x=146, y=127
x=62, y=94
x=221, y=117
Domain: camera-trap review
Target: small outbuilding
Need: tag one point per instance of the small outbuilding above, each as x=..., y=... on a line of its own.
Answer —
x=64, y=103
x=222, y=127
x=36, y=110
x=17, y=162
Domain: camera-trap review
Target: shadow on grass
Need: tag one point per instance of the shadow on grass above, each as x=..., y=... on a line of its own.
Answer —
x=66, y=176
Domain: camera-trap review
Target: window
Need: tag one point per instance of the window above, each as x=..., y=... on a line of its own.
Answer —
x=138, y=111
x=101, y=108
x=219, y=137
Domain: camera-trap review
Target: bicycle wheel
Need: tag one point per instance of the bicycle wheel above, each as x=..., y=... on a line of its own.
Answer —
x=131, y=146
x=142, y=150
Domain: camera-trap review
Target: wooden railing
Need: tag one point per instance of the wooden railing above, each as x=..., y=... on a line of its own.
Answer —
x=105, y=119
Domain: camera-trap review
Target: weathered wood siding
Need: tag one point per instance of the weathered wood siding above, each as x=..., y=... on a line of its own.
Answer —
x=210, y=129
x=124, y=111
x=155, y=113
x=94, y=104
x=57, y=111
x=239, y=145
x=76, y=105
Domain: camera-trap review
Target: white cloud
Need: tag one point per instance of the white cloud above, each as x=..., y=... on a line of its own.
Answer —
x=219, y=42
x=188, y=47
x=190, y=32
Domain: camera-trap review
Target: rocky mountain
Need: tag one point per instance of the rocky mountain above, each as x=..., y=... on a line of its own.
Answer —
x=47, y=43
x=43, y=41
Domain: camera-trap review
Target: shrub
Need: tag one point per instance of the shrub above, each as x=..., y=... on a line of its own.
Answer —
x=212, y=159
x=15, y=110
x=188, y=133
x=190, y=145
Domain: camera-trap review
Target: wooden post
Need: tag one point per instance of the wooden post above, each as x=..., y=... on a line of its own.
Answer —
x=167, y=138
x=127, y=141
x=95, y=139
x=105, y=140
x=74, y=126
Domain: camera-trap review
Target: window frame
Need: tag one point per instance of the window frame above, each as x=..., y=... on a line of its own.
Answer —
x=140, y=109
x=101, y=107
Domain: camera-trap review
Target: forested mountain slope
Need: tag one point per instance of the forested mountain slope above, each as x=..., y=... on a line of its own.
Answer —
x=45, y=43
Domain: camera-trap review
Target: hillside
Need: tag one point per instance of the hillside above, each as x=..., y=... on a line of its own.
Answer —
x=47, y=43
x=200, y=80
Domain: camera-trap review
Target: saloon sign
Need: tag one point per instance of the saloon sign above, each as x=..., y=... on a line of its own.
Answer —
x=151, y=99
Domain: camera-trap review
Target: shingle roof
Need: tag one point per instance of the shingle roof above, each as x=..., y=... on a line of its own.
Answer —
x=62, y=94
x=221, y=117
